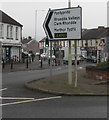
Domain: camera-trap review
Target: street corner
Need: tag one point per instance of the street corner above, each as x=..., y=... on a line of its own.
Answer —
x=59, y=86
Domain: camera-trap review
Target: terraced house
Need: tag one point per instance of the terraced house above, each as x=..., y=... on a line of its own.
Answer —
x=10, y=37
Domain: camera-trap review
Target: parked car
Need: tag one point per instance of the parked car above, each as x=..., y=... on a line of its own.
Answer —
x=91, y=59
x=44, y=55
x=66, y=52
x=53, y=56
x=84, y=56
x=37, y=53
x=88, y=58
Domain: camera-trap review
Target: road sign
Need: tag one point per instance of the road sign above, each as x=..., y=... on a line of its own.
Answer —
x=102, y=43
x=63, y=24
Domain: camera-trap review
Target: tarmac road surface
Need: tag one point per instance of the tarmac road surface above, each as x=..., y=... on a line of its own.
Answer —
x=19, y=102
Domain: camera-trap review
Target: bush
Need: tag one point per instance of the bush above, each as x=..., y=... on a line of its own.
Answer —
x=101, y=66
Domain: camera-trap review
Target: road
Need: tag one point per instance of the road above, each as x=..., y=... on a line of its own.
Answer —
x=19, y=102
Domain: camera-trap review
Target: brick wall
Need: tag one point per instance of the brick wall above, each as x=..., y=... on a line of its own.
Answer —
x=97, y=74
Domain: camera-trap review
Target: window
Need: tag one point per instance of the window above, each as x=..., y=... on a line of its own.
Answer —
x=1, y=30
x=78, y=43
x=93, y=42
x=63, y=43
x=16, y=33
x=9, y=32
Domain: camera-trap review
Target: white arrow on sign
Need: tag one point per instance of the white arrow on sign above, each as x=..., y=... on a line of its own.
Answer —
x=64, y=24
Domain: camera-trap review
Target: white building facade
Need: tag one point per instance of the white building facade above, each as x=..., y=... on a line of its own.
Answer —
x=10, y=37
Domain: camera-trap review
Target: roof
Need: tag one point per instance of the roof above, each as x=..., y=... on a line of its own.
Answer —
x=42, y=39
x=7, y=19
x=105, y=33
x=95, y=33
x=25, y=41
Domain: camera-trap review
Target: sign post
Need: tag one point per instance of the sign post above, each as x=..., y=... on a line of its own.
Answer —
x=65, y=24
x=50, y=59
x=75, y=63
x=69, y=59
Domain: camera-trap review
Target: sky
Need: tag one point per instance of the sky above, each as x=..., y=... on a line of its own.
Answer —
x=31, y=14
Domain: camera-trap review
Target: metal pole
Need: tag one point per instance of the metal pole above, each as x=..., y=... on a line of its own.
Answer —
x=27, y=62
x=75, y=63
x=69, y=3
x=35, y=24
x=51, y=60
x=11, y=63
x=41, y=62
x=70, y=64
x=69, y=57
x=3, y=64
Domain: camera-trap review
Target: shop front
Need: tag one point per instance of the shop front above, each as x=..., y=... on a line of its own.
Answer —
x=11, y=52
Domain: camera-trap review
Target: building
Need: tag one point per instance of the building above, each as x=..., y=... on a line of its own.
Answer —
x=57, y=47
x=104, y=44
x=10, y=37
x=30, y=45
x=0, y=52
x=42, y=45
x=96, y=42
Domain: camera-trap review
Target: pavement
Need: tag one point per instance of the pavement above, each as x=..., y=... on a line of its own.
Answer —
x=59, y=84
x=36, y=65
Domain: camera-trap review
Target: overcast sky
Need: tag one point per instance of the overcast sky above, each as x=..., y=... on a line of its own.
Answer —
x=32, y=13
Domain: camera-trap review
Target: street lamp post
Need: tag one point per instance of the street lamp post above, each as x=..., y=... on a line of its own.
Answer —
x=36, y=16
x=35, y=24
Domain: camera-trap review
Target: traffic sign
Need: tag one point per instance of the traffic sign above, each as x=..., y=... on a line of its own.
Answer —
x=63, y=24
x=102, y=43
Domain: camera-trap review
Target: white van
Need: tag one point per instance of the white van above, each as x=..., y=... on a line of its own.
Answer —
x=66, y=53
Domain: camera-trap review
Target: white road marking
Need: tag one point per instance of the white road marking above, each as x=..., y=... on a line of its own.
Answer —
x=13, y=98
x=27, y=101
x=3, y=89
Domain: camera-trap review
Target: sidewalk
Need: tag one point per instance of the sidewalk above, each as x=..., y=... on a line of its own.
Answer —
x=36, y=65
x=58, y=85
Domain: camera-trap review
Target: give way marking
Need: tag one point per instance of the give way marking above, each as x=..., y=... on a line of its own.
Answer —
x=15, y=98
x=34, y=100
